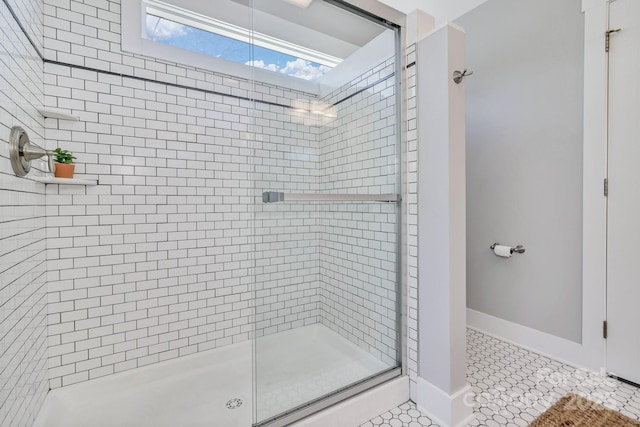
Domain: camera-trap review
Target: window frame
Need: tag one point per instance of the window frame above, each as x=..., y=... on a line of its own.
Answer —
x=133, y=40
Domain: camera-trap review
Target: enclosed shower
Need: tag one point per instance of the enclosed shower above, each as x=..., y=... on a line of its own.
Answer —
x=327, y=301
x=230, y=254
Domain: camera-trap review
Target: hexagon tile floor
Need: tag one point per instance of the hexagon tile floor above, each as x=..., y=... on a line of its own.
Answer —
x=513, y=386
x=404, y=415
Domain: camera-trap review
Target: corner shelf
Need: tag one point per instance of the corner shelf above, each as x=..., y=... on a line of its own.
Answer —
x=64, y=181
x=57, y=113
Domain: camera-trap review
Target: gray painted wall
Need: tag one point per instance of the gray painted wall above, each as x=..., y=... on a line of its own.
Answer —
x=524, y=161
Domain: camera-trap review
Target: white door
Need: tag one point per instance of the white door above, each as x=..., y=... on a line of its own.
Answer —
x=623, y=247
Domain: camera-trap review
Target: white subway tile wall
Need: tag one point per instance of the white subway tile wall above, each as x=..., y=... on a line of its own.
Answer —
x=30, y=15
x=411, y=171
x=23, y=297
x=358, y=245
x=154, y=263
x=286, y=235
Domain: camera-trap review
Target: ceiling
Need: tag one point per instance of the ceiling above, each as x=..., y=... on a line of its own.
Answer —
x=441, y=10
x=322, y=17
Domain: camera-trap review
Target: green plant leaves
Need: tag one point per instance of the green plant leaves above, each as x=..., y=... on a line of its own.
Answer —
x=63, y=156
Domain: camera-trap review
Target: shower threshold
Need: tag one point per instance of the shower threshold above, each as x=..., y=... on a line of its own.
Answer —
x=214, y=387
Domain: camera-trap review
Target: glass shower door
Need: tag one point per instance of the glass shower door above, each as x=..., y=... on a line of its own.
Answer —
x=326, y=214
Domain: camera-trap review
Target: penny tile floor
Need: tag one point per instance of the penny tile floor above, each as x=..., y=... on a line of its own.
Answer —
x=513, y=386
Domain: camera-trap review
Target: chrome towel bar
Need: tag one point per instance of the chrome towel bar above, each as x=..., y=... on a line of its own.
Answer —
x=275, y=196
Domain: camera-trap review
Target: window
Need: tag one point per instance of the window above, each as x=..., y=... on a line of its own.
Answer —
x=313, y=50
x=178, y=27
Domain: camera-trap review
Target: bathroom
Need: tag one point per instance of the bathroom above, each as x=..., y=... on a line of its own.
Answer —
x=283, y=211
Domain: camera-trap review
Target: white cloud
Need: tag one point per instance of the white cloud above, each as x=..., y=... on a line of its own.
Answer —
x=161, y=29
x=299, y=68
x=304, y=69
x=260, y=64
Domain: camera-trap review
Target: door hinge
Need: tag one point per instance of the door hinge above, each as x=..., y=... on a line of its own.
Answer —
x=606, y=187
x=604, y=329
x=607, y=38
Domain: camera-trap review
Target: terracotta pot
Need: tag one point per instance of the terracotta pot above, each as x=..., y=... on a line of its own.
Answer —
x=64, y=170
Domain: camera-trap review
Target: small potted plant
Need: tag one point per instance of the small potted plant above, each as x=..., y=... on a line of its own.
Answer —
x=64, y=163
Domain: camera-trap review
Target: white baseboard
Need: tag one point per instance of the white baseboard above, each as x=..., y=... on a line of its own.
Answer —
x=560, y=349
x=455, y=410
x=363, y=407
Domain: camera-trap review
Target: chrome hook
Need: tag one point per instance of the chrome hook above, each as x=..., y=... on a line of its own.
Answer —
x=458, y=76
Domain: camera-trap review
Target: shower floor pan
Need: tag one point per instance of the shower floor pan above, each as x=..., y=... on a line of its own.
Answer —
x=214, y=388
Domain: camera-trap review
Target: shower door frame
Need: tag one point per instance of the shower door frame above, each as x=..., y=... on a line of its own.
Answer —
x=396, y=23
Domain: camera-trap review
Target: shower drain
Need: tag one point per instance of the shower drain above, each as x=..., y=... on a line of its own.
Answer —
x=235, y=403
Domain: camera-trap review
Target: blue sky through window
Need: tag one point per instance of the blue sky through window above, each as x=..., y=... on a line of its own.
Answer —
x=194, y=39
